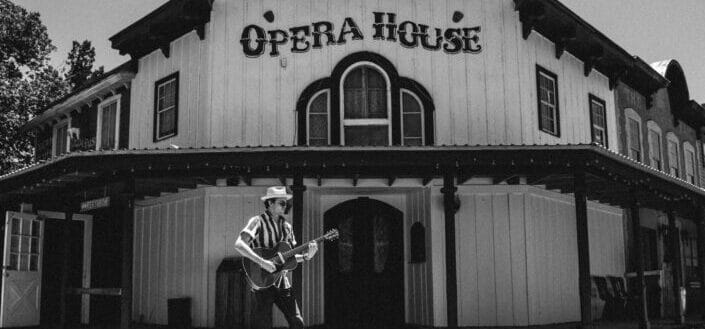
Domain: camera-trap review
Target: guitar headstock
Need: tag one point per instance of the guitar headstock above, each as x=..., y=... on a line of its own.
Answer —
x=331, y=235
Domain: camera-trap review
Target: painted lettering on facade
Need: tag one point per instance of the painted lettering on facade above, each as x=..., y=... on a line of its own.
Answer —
x=256, y=41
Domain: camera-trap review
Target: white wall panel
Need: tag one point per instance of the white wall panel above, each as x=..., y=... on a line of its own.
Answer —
x=517, y=255
x=168, y=253
x=228, y=99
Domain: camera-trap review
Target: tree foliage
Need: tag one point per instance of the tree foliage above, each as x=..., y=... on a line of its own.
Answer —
x=28, y=84
x=80, y=62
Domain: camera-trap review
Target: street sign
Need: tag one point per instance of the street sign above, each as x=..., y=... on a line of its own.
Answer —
x=95, y=204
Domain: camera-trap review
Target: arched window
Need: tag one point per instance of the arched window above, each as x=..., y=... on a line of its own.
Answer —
x=366, y=106
x=318, y=119
x=673, y=155
x=412, y=128
x=655, y=145
x=634, y=147
x=365, y=102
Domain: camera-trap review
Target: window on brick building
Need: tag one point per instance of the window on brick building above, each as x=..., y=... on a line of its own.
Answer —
x=655, y=145
x=673, y=155
x=689, y=157
x=634, y=147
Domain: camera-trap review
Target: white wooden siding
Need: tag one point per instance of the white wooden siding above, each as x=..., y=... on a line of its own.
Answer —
x=486, y=98
x=413, y=203
x=517, y=255
x=516, y=251
x=189, y=58
x=181, y=239
x=169, y=258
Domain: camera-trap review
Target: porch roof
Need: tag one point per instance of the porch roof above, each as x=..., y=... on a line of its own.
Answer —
x=612, y=178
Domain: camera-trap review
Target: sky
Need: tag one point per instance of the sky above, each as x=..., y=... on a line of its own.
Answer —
x=654, y=30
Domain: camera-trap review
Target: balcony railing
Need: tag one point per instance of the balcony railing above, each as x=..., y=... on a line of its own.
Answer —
x=82, y=144
x=43, y=150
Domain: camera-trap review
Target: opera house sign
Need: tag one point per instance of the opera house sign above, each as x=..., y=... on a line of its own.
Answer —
x=255, y=40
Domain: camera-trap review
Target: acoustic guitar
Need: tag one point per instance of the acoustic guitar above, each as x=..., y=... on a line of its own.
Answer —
x=282, y=255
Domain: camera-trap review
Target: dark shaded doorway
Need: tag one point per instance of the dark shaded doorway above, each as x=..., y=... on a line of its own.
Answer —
x=52, y=265
x=364, y=271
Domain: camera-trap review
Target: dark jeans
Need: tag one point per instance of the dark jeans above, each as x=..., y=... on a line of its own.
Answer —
x=262, y=314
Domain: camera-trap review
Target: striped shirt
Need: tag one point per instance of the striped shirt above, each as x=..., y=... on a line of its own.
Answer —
x=266, y=232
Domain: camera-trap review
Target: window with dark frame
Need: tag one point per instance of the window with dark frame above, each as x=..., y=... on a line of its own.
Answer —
x=412, y=119
x=365, y=102
x=634, y=131
x=319, y=119
x=61, y=139
x=547, y=90
x=166, y=105
x=689, y=165
x=108, y=125
x=365, y=116
x=655, y=146
x=598, y=121
x=673, y=161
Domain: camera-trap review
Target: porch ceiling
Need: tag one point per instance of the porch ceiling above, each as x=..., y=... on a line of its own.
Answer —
x=611, y=178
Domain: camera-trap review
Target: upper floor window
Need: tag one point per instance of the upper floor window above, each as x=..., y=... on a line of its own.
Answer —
x=655, y=145
x=61, y=138
x=166, y=106
x=366, y=106
x=598, y=121
x=365, y=102
x=108, y=124
x=412, y=119
x=689, y=157
x=547, y=90
x=634, y=147
x=319, y=118
x=673, y=155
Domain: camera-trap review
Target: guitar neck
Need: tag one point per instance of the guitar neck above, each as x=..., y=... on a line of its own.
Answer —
x=301, y=248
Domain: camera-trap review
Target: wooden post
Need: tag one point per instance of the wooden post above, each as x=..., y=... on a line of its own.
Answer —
x=298, y=189
x=581, y=217
x=128, y=198
x=65, y=246
x=449, y=206
x=639, y=264
x=701, y=256
x=676, y=265
x=86, y=278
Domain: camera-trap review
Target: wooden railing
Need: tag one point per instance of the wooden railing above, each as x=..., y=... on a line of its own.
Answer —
x=82, y=144
x=43, y=150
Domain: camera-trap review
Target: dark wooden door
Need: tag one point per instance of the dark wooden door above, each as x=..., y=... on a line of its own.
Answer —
x=364, y=280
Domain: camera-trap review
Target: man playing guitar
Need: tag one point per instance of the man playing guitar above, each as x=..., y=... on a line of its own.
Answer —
x=265, y=231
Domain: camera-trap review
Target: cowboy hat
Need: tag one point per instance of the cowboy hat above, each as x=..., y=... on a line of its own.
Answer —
x=278, y=192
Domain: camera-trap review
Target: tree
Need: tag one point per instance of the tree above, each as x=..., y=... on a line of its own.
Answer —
x=80, y=62
x=28, y=84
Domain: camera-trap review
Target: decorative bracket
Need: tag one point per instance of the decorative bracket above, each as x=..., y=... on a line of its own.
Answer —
x=201, y=31
x=567, y=35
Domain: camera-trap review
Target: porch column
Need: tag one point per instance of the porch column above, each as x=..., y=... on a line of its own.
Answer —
x=449, y=206
x=65, y=247
x=128, y=198
x=639, y=264
x=676, y=264
x=701, y=256
x=581, y=218
x=298, y=189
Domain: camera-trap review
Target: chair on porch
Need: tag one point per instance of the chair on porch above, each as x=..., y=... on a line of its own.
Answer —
x=597, y=304
x=621, y=296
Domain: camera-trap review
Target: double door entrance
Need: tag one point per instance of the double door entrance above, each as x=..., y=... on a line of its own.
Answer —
x=364, y=279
